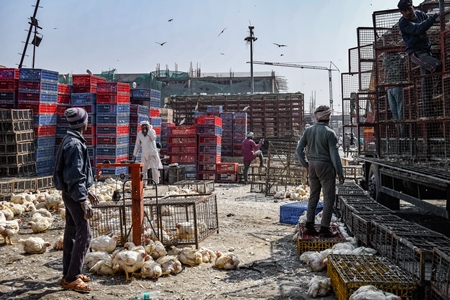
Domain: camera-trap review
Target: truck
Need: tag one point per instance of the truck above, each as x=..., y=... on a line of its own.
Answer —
x=405, y=153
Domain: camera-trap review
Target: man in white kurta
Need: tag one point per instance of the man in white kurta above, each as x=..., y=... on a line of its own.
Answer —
x=146, y=139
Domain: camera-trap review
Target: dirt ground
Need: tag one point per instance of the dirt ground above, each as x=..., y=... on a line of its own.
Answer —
x=269, y=268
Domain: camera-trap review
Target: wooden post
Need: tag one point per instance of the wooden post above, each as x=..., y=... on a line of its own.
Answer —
x=137, y=197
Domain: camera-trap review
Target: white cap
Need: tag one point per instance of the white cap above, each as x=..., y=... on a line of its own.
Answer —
x=144, y=123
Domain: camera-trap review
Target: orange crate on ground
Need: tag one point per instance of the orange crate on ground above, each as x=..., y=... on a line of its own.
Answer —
x=316, y=243
x=349, y=272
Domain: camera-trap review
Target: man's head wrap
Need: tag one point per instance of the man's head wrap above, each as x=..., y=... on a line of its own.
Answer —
x=322, y=113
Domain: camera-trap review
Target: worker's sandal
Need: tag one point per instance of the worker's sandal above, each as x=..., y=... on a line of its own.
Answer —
x=84, y=278
x=77, y=285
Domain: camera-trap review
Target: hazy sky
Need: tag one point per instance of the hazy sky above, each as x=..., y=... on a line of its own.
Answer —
x=106, y=34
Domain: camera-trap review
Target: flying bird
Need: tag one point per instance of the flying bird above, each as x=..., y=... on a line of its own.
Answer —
x=57, y=27
x=222, y=31
x=280, y=45
x=245, y=108
x=196, y=107
x=222, y=53
x=161, y=44
x=182, y=122
x=170, y=20
x=281, y=54
x=89, y=72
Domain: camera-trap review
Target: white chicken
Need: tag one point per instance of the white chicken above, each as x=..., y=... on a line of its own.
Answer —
x=207, y=255
x=17, y=209
x=40, y=224
x=59, y=243
x=185, y=230
x=106, y=243
x=53, y=201
x=319, y=286
x=227, y=261
x=103, y=267
x=170, y=265
x=314, y=260
x=18, y=198
x=280, y=195
x=92, y=258
x=188, y=255
x=129, y=261
x=370, y=292
x=9, y=228
x=7, y=212
x=62, y=213
x=151, y=269
x=34, y=245
x=159, y=250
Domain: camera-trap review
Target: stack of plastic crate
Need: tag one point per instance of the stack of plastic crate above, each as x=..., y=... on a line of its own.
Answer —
x=138, y=113
x=227, y=133
x=215, y=110
x=164, y=136
x=17, y=148
x=85, y=83
x=9, y=85
x=64, y=91
x=239, y=132
x=38, y=90
x=140, y=96
x=156, y=121
x=209, y=130
x=182, y=148
x=113, y=125
x=155, y=98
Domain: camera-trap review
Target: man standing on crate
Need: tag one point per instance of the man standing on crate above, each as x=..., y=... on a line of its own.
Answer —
x=73, y=176
x=250, y=151
x=146, y=139
x=320, y=144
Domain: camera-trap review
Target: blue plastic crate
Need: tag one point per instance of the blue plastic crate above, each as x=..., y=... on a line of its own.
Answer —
x=155, y=121
x=108, y=109
x=114, y=171
x=44, y=171
x=83, y=98
x=214, y=109
x=155, y=103
x=91, y=151
x=209, y=130
x=8, y=96
x=240, y=115
x=226, y=115
x=289, y=213
x=120, y=119
x=107, y=140
x=141, y=93
x=112, y=150
x=44, y=120
x=139, y=109
x=43, y=154
x=45, y=162
x=37, y=74
x=155, y=94
x=199, y=113
x=135, y=120
x=44, y=142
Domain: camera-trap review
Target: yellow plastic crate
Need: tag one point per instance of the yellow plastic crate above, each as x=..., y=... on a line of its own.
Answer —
x=316, y=243
x=350, y=272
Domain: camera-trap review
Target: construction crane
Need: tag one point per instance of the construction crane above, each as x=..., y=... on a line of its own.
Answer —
x=330, y=80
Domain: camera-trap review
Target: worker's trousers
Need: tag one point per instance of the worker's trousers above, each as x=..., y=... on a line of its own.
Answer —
x=77, y=237
x=321, y=176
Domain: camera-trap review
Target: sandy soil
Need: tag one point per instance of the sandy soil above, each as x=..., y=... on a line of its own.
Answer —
x=269, y=268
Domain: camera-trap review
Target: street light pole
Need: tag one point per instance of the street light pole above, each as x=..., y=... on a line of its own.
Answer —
x=250, y=39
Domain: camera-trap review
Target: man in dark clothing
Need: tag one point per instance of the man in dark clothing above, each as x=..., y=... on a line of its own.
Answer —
x=73, y=176
x=323, y=163
x=414, y=25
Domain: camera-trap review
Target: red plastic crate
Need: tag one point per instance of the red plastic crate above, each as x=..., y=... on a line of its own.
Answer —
x=182, y=150
x=209, y=120
x=226, y=168
x=40, y=131
x=84, y=89
x=206, y=167
x=63, y=99
x=226, y=178
x=157, y=130
x=9, y=85
x=206, y=176
x=113, y=87
x=90, y=140
x=239, y=121
x=111, y=159
x=86, y=79
x=183, y=159
x=90, y=130
x=112, y=130
x=185, y=141
x=111, y=98
x=209, y=158
x=183, y=130
x=9, y=73
x=154, y=112
x=8, y=105
x=210, y=140
x=63, y=89
x=38, y=107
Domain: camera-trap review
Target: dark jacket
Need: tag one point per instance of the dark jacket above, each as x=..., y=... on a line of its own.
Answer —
x=72, y=169
x=321, y=144
x=414, y=33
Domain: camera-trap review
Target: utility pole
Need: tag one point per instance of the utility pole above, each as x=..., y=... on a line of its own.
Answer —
x=32, y=23
x=250, y=39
